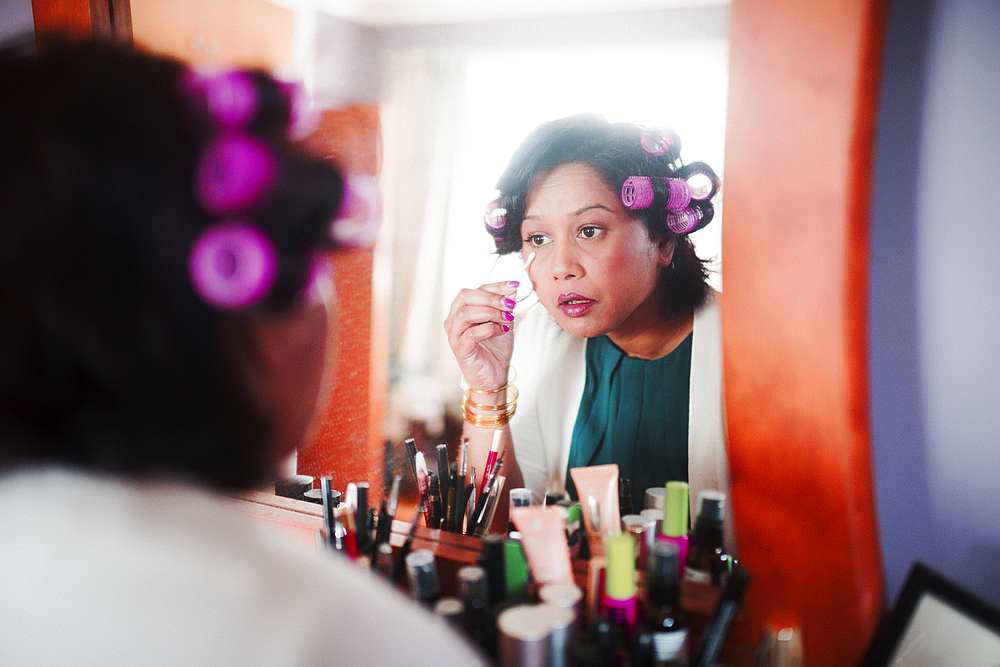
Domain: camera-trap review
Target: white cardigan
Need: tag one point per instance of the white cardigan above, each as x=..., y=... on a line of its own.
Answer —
x=551, y=373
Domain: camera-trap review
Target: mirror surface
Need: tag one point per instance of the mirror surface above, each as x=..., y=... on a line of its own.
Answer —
x=456, y=100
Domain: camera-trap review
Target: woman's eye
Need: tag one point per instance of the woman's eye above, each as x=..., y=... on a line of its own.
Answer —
x=590, y=232
x=536, y=240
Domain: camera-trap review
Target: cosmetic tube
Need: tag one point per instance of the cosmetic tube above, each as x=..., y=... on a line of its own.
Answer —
x=675, y=519
x=543, y=535
x=620, y=589
x=600, y=483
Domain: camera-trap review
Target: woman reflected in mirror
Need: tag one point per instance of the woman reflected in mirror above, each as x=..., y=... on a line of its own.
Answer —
x=619, y=361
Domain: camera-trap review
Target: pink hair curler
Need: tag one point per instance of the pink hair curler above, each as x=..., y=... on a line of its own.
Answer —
x=683, y=221
x=680, y=194
x=230, y=95
x=234, y=173
x=702, y=186
x=303, y=114
x=232, y=265
x=494, y=216
x=658, y=142
x=357, y=222
x=637, y=192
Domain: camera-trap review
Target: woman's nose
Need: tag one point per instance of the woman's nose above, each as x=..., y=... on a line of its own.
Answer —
x=564, y=262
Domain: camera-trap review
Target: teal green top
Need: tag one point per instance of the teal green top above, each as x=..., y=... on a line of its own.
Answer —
x=634, y=412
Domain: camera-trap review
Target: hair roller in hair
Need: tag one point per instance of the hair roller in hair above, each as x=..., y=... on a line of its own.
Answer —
x=679, y=194
x=303, y=114
x=637, y=192
x=357, y=222
x=683, y=221
x=703, y=181
x=232, y=265
x=658, y=142
x=230, y=96
x=494, y=216
x=234, y=174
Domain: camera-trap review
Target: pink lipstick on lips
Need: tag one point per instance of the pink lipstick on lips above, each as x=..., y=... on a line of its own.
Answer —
x=574, y=305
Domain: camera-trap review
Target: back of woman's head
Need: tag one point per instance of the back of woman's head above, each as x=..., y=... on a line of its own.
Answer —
x=113, y=169
x=618, y=152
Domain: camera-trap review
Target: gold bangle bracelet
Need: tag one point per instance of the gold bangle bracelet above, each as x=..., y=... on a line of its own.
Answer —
x=511, y=376
x=486, y=422
x=467, y=401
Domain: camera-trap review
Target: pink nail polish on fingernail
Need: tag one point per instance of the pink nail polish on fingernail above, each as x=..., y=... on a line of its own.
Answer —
x=514, y=283
x=505, y=328
x=510, y=303
x=509, y=317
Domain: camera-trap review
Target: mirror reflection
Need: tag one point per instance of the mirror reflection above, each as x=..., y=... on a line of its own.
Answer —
x=454, y=106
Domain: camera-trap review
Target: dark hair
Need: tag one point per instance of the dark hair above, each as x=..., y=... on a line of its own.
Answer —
x=615, y=151
x=109, y=359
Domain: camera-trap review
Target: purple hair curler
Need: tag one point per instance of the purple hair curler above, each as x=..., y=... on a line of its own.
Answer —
x=322, y=284
x=232, y=264
x=658, y=142
x=494, y=216
x=637, y=192
x=702, y=186
x=679, y=194
x=234, y=173
x=683, y=221
x=230, y=95
x=303, y=114
x=357, y=222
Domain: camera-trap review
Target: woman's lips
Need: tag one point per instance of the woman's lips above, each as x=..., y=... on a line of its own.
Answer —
x=574, y=305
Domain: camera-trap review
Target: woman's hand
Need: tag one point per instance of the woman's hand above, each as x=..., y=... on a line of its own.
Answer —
x=480, y=333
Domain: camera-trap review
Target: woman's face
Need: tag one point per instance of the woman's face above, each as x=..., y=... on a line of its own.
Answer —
x=595, y=268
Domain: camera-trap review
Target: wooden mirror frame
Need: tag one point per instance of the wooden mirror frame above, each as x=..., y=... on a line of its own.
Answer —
x=803, y=97
x=802, y=110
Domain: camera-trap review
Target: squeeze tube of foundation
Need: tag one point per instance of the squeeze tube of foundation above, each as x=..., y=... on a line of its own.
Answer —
x=543, y=536
x=601, y=483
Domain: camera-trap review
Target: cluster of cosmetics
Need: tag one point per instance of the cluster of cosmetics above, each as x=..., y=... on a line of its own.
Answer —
x=522, y=602
x=449, y=498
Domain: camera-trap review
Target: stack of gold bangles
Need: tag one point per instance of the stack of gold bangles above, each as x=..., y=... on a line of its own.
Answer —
x=489, y=416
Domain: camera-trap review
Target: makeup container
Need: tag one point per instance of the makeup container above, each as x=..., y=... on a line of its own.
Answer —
x=562, y=631
x=675, y=519
x=620, y=589
x=293, y=486
x=517, y=573
x=543, y=535
x=534, y=636
x=474, y=589
x=567, y=596
x=493, y=559
x=597, y=487
x=520, y=497
x=451, y=609
x=654, y=497
x=636, y=526
x=423, y=575
x=707, y=561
